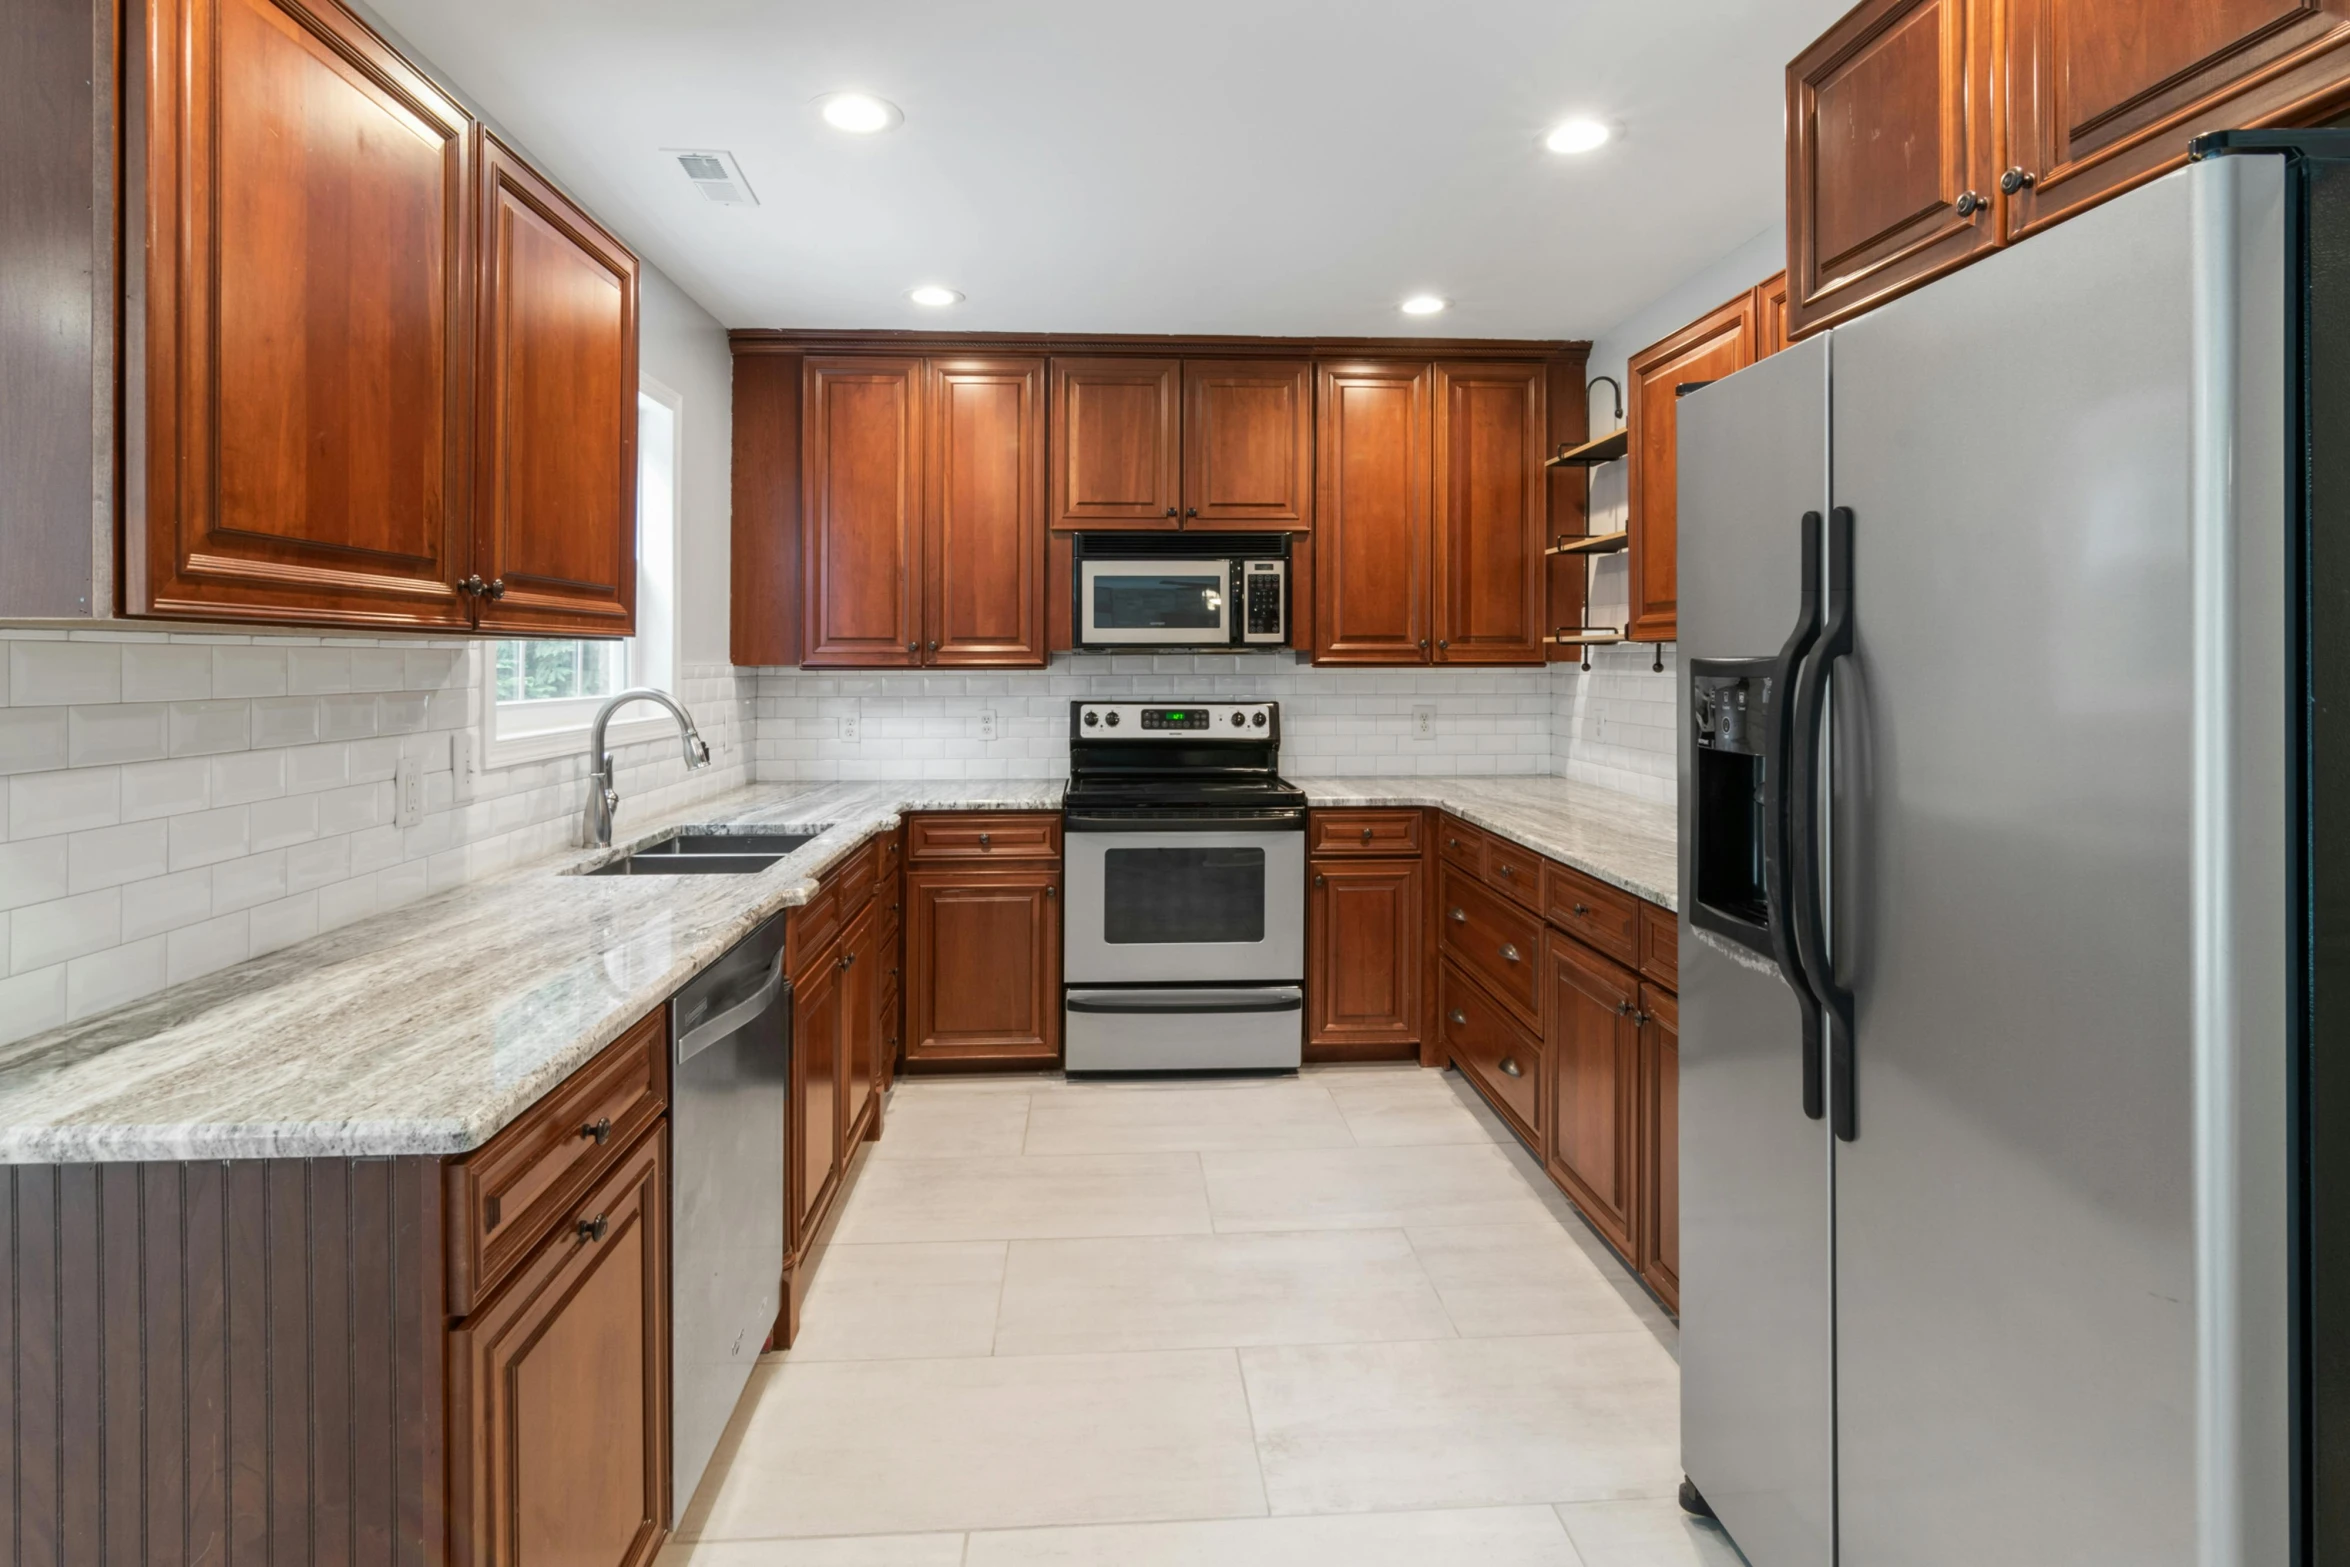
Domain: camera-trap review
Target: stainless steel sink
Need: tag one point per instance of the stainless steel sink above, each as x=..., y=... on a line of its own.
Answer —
x=706, y=854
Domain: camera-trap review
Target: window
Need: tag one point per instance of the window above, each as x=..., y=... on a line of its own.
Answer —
x=541, y=695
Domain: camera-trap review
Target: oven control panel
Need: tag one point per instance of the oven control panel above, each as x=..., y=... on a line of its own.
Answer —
x=1176, y=720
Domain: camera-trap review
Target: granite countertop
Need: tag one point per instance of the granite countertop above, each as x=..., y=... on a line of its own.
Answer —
x=425, y=1030
x=1623, y=840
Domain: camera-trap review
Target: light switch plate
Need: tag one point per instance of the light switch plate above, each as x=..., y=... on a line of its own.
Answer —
x=848, y=728
x=464, y=764
x=987, y=729
x=408, y=793
x=1424, y=721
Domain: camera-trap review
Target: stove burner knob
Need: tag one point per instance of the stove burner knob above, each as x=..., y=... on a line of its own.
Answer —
x=1113, y=718
x=1260, y=720
x=1239, y=721
x=1092, y=718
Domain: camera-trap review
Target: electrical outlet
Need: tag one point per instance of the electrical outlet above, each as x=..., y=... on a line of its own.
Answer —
x=464, y=764
x=1424, y=721
x=849, y=728
x=408, y=793
x=987, y=729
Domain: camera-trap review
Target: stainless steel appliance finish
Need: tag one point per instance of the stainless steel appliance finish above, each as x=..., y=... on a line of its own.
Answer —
x=730, y=1029
x=1183, y=939
x=2038, y=868
x=1201, y=591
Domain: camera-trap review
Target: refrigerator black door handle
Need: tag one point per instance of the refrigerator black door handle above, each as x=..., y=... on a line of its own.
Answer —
x=1807, y=894
x=1779, y=789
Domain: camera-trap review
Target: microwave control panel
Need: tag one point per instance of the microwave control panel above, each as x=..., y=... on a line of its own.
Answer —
x=1264, y=600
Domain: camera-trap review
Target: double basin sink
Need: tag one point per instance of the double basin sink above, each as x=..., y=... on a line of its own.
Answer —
x=705, y=854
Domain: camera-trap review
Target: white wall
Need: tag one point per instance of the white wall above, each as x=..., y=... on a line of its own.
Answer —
x=682, y=346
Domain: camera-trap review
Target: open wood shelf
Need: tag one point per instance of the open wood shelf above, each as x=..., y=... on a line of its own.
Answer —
x=1592, y=544
x=1589, y=636
x=1591, y=454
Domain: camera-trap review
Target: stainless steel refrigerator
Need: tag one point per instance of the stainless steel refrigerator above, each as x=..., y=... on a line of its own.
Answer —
x=2015, y=643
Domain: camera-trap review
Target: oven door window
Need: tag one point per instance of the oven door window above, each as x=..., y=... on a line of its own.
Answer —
x=1158, y=601
x=1164, y=897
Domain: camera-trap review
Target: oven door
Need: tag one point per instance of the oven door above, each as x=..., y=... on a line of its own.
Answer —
x=1217, y=905
x=1155, y=603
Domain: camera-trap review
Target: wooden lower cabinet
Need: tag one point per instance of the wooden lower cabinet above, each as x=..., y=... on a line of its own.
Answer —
x=559, y=1388
x=1364, y=958
x=983, y=963
x=1660, y=1162
x=1592, y=1145
x=815, y=1094
x=860, y=1021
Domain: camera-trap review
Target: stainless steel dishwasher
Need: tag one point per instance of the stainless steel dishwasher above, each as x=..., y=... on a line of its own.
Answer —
x=730, y=1077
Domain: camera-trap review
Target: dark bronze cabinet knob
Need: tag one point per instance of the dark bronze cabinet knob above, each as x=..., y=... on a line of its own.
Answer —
x=1459, y=917
x=599, y=1129
x=1170, y=511
x=1509, y=1067
x=1318, y=879
x=1581, y=909
x=2014, y=180
x=1051, y=891
x=1366, y=835
x=1970, y=203
x=984, y=840
x=1509, y=953
x=595, y=1229
x=1458, y=1016
x=497, y=588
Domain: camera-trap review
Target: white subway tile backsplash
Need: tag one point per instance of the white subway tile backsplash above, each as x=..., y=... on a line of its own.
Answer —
x=245, y=776
x=152, y=789
x=32, y=739
x=196, y=950
x=54, y=674
x=206, y=728
x=32, y=1002
x=44, y=803
x=241, y=883
x=208, y=837
x=285, y=721
x=377, y=669
x=45, y=933
x=163, y=672
x=122, y=732
x=314, y=670
x=110, y=978
x=284, y=922
x=110, y=856
x=34, y=871
x=256, y=670
x=165, y=903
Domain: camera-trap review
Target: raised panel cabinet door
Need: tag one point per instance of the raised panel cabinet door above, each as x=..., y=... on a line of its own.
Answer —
x=1371, y=500
x=983, y=964
x=1116, y=443
x=1490, y=505
x=983, y=519
x=295, y=428
x=1892, y=153
x=1707, y=349
x=1660, y=1114
x=2104, y=94
x=1248, y=443
x=816, y=1094
x=554, y=509
x=860, y=512
x=1363, y=956
x=559, y=1388
x=1770, y=315
x=1593, y=1055
x=860, y=1018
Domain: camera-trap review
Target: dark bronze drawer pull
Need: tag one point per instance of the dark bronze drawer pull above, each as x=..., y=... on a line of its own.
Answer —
x=983, y=840
x=1509, y=1067
x=1319, y=879
x=600, y=1129
x=1581, y=909
x=1459, y=917
x=1505, y=870
x=1510, y=954
x=1459, y=1017
x=594, y=1229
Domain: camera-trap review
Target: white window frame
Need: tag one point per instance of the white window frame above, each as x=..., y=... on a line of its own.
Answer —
x=568, y=735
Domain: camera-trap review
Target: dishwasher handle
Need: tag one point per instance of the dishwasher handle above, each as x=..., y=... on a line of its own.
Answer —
x=703, y=1035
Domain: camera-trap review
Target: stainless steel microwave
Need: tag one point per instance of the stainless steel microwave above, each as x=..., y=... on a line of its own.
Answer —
x=1228, y=591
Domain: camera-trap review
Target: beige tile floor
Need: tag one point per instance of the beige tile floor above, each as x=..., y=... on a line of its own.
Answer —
x=1339, y=1318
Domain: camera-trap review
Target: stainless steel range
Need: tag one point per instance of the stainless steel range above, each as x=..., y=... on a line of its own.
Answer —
x=1185, y=934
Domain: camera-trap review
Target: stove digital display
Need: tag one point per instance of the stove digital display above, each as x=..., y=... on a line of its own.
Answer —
x=1174, y=718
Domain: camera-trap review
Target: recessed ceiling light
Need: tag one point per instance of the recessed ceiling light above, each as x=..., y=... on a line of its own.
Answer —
x=859, y=113
x=1423, y=305
x=933, y=294
x=1577, y=136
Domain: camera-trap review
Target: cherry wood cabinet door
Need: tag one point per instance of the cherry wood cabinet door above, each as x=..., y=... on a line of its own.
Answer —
x=1371, y=555
x=1593, y=1055
x=295, y=429
x=1660, y=1118
x=1491, y=503
x=1248, y=444
x=2104, y=94
x=816, y=1092
x=983, y=518
x=1770, y=316
x=554, y=508
x=983, y=964
x=1363, y=957
x=1707, y=349
x=860, y=1018
x=559, y=1388
x=860, y=523
x=1892, y=155
x=1117, y=437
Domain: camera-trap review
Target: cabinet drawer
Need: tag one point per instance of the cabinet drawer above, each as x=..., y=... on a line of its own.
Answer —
x=1364, y=832
x=1493, y=939
x=1513, y=872
x=1460, y=844
x=889, y=858
x=1498, y=1053
x=814, y=927
x=1592, y=912
x=504, y=1196
x=1660, y=946
x=983, y=835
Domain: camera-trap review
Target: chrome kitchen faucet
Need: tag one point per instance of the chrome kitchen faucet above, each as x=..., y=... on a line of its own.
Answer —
x=603, y=799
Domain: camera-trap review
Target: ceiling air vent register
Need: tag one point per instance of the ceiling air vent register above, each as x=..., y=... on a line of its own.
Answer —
x=717, y=176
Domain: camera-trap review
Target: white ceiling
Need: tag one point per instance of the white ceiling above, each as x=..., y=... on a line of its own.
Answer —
x=1243, y=166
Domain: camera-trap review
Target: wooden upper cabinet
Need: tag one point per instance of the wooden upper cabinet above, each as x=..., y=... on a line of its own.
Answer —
x=861, y=487
x=2102, y=94
x=554, y=513
x=1490, y=508
x=1892, y=158
x=1715, y=345
x=1373, y=469
x=1248, y=444
x=1117, y=435
x=1770, y=315
x=984, y=519
x=296, y=426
